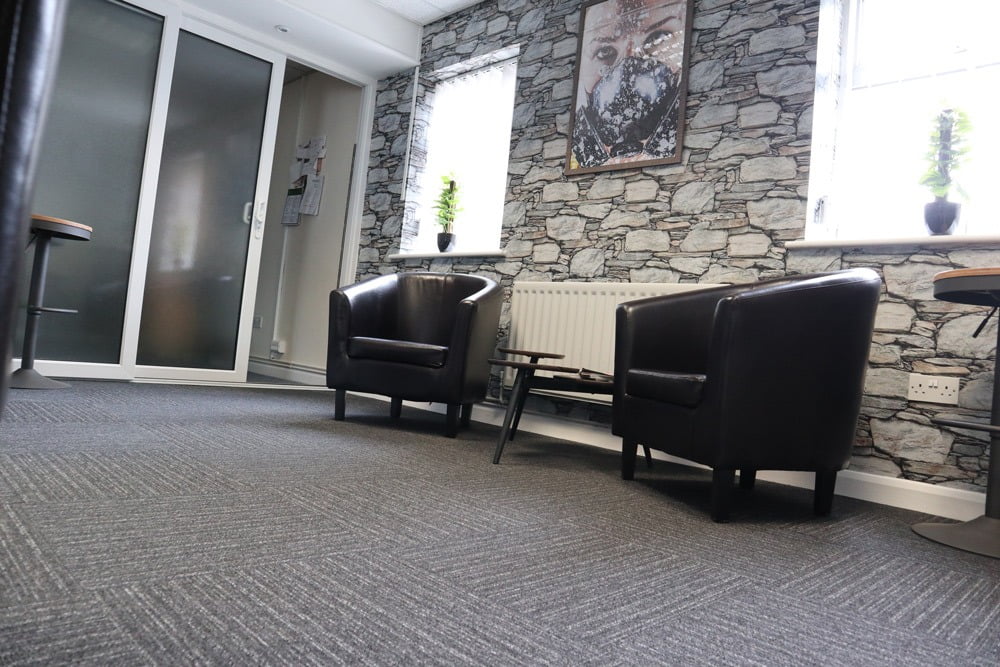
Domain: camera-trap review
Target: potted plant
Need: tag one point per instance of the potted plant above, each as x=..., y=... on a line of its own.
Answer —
x=447, y=208
x=947, y=147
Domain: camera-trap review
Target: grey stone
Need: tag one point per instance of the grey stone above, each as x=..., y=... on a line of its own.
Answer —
x=910, y=281
x=606, y=187
x=956, y=338
x=808, y=261
x=729, y=147
x=775, y=213
x=560, y=192
x=890, y=382
x=748, y=245
x=748, y=21
x=721, y=274
x=768, y=169
x=624, y=219
x=380, y=201
x=640, y=191
x=691, y=265
x=564, y=228
x=713, y=115
x=777, y=39
x=554, y=149
x=703, y=239
x=705, y=76
x=647, y=239
x=652, y=275
x=906, y=439
x=497, y=25
x=587, y=263
x=531, y=22
x=786, y=81
x=762, y=114
x=519, y=248
x=892, y=316
x=694, y=197
x=545, y=252
x=368, y=255
x=702, y=140
x=514, y=214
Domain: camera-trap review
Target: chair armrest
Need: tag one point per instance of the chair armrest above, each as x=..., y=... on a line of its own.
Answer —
x=367, y=308
x=474, y=336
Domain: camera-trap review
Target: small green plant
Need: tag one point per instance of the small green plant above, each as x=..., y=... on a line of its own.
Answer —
x=447, y=203
x=947, y=148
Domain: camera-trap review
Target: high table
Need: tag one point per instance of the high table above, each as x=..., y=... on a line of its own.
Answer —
x=980, y=287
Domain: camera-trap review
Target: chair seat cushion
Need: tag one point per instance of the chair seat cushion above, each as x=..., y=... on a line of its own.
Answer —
x=398, y=351
x=677, y=388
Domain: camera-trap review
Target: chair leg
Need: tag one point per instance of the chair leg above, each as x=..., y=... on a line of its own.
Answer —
x=451, y=425
x=339, y=401
x=466, y=414
x=747, y=477
x=395, y=407
x=629, y=448
x=649, y=456
x=722, y=484
x=826, y=481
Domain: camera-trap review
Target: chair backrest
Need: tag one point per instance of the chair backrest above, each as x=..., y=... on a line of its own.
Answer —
x=427, y=304
x=30, y=35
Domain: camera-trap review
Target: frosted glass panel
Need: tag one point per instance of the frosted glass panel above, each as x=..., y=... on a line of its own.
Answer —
x=198, y=250
x=89, y=167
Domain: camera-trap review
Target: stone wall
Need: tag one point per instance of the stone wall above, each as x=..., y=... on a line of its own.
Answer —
x=723, y=214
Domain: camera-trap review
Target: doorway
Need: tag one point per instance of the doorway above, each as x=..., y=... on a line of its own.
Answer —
x=302, y=252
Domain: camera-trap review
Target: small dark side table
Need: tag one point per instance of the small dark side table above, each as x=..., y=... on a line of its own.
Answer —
x=569, y=379
x=43, y=230
x=980, y=287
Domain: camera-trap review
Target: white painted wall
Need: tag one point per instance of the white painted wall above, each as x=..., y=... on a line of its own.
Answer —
x=293, y=294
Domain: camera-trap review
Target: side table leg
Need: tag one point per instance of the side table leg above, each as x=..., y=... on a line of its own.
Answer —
x=513, y=403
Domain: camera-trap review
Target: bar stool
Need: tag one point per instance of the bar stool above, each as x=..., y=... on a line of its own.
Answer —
x=43, y=230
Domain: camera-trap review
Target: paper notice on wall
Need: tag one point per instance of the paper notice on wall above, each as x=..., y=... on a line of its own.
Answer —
x=312, y=195
x=293, y=202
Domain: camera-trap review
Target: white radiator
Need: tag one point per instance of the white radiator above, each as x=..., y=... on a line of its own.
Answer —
x=575, y=319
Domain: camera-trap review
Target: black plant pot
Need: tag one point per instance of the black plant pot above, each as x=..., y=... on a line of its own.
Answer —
x=445, y=241
x=941, y=216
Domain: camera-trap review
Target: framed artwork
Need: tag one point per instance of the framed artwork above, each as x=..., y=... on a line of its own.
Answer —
x=630, y=84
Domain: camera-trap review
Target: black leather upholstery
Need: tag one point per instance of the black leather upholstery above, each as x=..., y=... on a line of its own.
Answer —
x=30, y=35
x=414, y=336
x=765, y=376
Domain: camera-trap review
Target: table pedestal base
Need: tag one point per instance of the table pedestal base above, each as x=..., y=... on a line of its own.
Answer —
x=981, y=536
x=29, y=378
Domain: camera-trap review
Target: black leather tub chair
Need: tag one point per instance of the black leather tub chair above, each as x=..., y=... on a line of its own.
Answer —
x=416, y=337
x=764, y=376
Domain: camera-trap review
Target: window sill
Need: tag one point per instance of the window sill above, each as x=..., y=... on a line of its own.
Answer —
x=444, y=255
x=889, y=243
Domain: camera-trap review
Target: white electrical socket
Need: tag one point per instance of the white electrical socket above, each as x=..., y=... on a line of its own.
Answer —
x=933, y=389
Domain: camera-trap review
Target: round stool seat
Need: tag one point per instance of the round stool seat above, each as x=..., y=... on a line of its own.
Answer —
x=59, y=228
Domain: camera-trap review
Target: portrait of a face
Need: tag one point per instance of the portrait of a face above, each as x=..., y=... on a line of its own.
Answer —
x=630, y=84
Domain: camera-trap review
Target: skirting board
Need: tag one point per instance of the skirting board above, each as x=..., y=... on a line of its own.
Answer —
x=933, y=499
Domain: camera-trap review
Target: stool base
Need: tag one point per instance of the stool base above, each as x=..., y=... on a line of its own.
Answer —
x=29, y=378
x=980, y=536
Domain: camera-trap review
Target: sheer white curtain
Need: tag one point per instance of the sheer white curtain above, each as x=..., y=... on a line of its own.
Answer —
x=468, y=137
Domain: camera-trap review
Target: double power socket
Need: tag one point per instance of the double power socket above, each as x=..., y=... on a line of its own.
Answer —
x=933, y=389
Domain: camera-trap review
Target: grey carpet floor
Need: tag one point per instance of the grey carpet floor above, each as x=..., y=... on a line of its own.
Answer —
x=144, y=524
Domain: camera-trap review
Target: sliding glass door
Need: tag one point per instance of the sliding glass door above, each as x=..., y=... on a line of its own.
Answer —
x=208, y=218
x=160, y=137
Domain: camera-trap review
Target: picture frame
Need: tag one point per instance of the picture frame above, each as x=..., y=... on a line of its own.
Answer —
x=629, y=85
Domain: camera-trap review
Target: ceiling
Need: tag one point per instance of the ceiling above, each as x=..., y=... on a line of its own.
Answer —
x=364, y=38
x=423, y=12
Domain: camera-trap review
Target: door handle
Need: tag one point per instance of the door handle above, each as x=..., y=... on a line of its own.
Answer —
x=258, y=226
x=247, y=210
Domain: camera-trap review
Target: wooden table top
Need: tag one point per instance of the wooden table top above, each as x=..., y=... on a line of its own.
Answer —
x=65, y=229
x=978, y=287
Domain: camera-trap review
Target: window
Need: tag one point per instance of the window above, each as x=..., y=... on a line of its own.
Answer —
x=886, y=69
x=461, y=131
